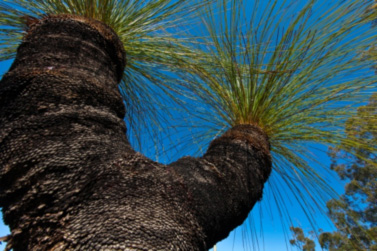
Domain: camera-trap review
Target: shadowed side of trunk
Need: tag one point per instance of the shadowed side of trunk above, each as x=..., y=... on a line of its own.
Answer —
x=69, y=179
x=228, y=180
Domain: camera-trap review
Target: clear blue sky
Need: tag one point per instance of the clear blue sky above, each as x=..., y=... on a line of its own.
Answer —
x=264, y=228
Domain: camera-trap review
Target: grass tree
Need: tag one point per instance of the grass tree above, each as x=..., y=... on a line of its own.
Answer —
x=295, y=69
x=69, y=179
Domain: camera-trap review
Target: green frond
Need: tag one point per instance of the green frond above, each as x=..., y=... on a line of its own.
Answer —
x=143, y=26
x=298, y=70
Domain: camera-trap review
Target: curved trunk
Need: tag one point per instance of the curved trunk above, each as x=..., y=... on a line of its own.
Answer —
x=69, y=179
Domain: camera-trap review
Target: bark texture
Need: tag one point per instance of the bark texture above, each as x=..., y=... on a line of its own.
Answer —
x=69, y=179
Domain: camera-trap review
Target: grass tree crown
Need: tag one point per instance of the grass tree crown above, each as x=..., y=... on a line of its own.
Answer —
x=296, y=69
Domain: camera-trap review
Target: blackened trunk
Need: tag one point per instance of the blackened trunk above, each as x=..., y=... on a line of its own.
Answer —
x=69, y=179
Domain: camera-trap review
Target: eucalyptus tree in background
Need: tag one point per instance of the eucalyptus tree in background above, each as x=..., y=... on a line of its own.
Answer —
x=355, y=213
x=69, y=178
x=301, y=241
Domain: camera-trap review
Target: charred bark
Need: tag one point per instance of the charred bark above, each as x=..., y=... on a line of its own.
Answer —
x=69, y=179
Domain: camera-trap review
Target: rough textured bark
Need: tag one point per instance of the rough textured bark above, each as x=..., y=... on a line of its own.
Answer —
x=69, y=179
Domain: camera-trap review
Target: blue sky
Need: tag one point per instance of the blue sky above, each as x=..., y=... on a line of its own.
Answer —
x=267, y=227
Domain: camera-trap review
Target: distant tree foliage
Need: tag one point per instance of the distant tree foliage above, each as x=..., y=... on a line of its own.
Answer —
x=354, y=213
x=301, y=241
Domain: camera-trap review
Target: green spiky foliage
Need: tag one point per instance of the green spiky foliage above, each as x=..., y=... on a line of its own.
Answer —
x=144, y=27
x=295, y=69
